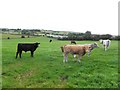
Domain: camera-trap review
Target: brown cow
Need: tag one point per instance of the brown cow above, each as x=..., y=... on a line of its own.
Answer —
x=75, y=49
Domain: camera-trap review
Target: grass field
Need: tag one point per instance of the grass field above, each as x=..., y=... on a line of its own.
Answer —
x=11, y=36
x=47, y=70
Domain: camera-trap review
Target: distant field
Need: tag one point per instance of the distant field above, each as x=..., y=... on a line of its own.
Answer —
x=5, y=36
x=47, y=70
x=11, y=36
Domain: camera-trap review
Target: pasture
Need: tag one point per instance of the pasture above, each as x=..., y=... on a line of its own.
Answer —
x=47, y=70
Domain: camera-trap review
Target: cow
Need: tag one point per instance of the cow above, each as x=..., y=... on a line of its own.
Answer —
x=26, y=47
x=72, y=41
x=75, y=49
x=105, y=43
x=50, y=40
x=94, y=45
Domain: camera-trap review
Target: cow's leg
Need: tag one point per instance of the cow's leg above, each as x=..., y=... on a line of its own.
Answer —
x=16, y=54
x=75, y=57
x=105, y=48
x=108, y=44
x=89, y=54
x=32, y=53
x=65, y=57
x=20, y=53
x=79, y=57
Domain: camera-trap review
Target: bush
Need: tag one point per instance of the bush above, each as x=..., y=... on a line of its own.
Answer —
x=22, y=36
x=8, y=38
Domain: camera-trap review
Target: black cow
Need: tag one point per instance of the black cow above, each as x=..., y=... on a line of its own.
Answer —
x=50, y=40
x=26, y=47
x=72, y=41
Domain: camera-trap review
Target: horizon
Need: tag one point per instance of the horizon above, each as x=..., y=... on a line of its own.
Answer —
x=58, y=31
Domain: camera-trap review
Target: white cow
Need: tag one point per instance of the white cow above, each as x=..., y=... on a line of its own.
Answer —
x=106, y=43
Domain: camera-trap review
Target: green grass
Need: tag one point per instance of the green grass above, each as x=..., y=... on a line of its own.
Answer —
x=47, y=70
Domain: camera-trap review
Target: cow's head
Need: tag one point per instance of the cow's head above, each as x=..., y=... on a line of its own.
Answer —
x=37, y=44
x=95, y=45
x=101, y=41
x=88, y=48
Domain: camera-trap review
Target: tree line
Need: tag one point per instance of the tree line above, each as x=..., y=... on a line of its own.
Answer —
x=88, y=36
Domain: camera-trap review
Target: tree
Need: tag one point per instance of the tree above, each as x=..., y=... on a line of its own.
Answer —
x=106, y=36
x=87, y=35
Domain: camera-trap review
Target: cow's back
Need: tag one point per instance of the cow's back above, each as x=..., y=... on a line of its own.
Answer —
x=74, y=49
x=25, y=47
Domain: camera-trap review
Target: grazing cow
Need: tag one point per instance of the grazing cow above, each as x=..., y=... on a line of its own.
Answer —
x=75, y=49
x=106, y=43
x=72, y=41
x=8, y=38
x=26, y=47
x=50, y=40
x=94, y=45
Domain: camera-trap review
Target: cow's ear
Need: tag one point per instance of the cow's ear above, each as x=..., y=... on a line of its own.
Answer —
x=37, y=43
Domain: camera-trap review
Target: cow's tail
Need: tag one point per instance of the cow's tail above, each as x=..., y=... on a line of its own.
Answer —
x=62, y=48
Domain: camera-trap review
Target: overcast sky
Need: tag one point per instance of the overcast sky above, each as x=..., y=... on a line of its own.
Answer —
x=97, y=16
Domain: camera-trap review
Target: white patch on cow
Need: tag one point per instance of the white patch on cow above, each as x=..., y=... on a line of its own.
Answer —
x=74, y=55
